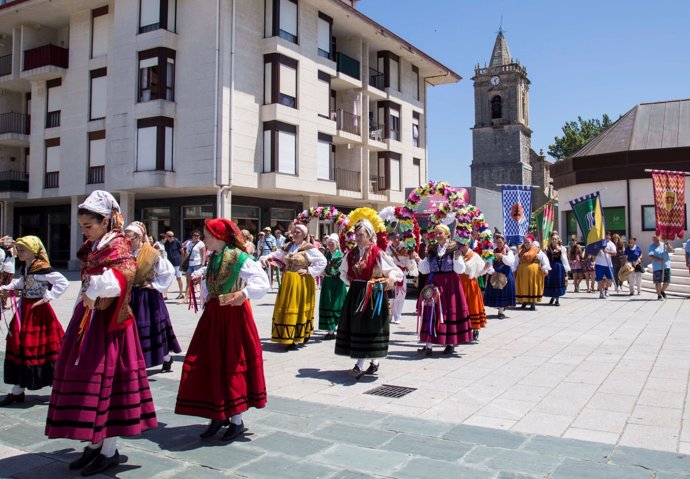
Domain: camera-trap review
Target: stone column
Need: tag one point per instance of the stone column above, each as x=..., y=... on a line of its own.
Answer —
x=127, y=206
x=75, y=236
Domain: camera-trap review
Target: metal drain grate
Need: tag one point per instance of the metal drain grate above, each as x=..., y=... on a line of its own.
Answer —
x=390, y=391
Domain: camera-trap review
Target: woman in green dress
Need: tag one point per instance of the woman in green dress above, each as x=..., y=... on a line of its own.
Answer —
x=333, y=290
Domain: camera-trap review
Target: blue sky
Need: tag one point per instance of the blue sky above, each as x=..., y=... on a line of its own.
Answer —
x=583, y=58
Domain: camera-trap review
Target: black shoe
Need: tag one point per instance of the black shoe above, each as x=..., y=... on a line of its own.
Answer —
x=12, y=398
x=557, y=303
x=501, y=316
x=356, y=372
x=87, y=456
x=533, y=307
x=552, y=300
x=306, y=340
x=213, y=428
x=425, y=350
x=372, y=369
x=524, y=306
x=329, y=336
x=450, y=349
x=292, y=347
x=663, y=294
x=475, y=335
x=100, y=464
x=167, y=366
x=234, y=431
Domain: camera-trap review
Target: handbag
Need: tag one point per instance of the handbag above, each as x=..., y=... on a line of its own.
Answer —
x=498, y=280
x=185, y=265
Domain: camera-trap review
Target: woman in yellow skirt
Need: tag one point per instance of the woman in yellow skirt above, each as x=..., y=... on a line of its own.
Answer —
x=531, y=266
x=293, y=315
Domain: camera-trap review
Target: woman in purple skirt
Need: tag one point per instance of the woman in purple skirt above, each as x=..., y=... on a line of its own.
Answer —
x=100, y=388
x=154, y=276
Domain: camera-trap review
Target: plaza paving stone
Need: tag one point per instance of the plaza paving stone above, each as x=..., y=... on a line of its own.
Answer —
x=548, y=379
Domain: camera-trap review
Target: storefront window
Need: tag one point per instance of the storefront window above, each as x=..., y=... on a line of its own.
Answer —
x=281, y=218
x=157, y=220
x=247, y=218
x=193, y=218
x=614, y=219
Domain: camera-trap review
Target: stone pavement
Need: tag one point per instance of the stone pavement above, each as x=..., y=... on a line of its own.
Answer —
x=594, y=388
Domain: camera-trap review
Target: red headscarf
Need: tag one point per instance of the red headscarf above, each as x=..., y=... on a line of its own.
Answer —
x=225, y=230
x=530, y=236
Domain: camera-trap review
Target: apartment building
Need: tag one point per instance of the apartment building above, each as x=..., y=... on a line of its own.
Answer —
x=187, y=109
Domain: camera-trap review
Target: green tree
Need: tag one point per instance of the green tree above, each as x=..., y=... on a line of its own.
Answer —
x=577, y=134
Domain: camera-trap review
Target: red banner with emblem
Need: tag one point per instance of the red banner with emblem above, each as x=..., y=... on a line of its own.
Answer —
x=669, y=203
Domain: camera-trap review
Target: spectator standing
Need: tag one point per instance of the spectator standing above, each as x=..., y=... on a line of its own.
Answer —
x=265, y=246
x=195, y=249
x=618, y=259
x=603, y=267
x=633, y=254
x=280, y=239
x=576, y=259
x=687, y=254
x=661, y=265
x=249, y=243
x=173, y=249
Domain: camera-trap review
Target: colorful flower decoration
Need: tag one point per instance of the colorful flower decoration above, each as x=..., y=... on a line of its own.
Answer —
x=407, y=227
x=323, y=213
x=348, y=233
x=440, y=188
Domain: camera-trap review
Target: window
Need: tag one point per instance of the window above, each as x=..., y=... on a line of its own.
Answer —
x=415, y=130
x=324, y=95
x=280, y=80
x=496, y=108
x=281, y=19
x=98, y=93
x=324, y=36
x=415, y=81
x=155, y=144
x=389, y=114
x=280, y=148
x=417, y=169
x=325, y=155
x=99, y=31
x=649, y=218
x=156, y=14
x=388, y=170
x=389, y=64
x=54, y=102
x=96, y=157
x=157, y=74
x=52, y=177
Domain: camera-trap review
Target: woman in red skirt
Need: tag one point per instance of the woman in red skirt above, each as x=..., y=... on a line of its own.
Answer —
x=100, y=390
x=35, y=334
x=223, y=371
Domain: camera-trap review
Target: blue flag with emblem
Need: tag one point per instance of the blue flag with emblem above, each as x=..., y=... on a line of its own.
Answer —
x=517, y=208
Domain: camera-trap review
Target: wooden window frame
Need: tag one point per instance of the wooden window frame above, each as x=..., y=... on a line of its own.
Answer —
x=163, y=7
x=386, y=156
x=275, y=27
x=161, y=90
x=49, y=143
x=387, y=107
x=415, y=74
x=160, y=123
x=56, y=82
x=331, y=43
x=325, y=77
x=417, y=116
x=274, y=127
x=98, y=73
x=276, y=59
x=388, y=56
x=96, y=12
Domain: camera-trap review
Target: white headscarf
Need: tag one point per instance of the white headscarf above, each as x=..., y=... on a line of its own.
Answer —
x=137, y=228
x=101, y=202
x=334, y=237
x=368, y=227
x=302, y=228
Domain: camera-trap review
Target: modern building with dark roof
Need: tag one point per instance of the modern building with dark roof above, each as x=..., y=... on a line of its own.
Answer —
x=649, y=136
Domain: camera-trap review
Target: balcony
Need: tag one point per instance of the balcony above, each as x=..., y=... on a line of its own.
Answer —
x=347, y=122
x=348, y=180
x=52, y=179
x=14, y=181
x=6, y=65
x=14, y=129
x=348, y=75
x=96, y=175
x=376, y=79
x=53, y=119
x=45, y=63
x=377, y=185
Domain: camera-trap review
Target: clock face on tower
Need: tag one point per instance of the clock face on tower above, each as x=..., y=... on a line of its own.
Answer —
x=495, y=80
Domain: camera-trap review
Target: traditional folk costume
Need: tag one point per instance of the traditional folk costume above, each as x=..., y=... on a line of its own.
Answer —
x=406, y=263
x=442, y=304
x=333, y=292
x=530, y=266
x=35, y=334
x=500, y=288
x=223, y=373
x=293, y=314
x=474, y=268
x=154, y=276
x=100, y=390
x=364, y=330
x=556, y=281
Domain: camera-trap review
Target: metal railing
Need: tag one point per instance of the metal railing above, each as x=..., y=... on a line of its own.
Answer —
x=377, y=184
x=14, y=181
x=376, y=131
x=96, y=175
x=348, y=180
x=14, y=123
x=347, y=65
x=46, y=55
x=53, y=119
x=6, y=65
x=52, y=179
x=287, y=36
x=347, y=121
x=376, y=79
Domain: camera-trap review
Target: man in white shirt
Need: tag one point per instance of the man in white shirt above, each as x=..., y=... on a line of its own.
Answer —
x=603, y=266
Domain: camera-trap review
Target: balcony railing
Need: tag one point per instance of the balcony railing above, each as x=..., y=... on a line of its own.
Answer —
x=46, y=55
x=53, y=119
x=347, y=65
x=52, y=179
x=14, y=123
x=377, y=184
x=96, y=174
x=376, y=131
x=376, y=79
x=323, y=53
x=287, y=36
x=347, y=121
x=5, y=65
x=348, y=180
x=14, y=181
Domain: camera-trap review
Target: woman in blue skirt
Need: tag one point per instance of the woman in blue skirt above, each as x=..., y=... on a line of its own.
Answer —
x=500, y=287
x=556, y=281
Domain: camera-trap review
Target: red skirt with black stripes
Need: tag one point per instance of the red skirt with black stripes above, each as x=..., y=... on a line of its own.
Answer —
x=223, y=371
